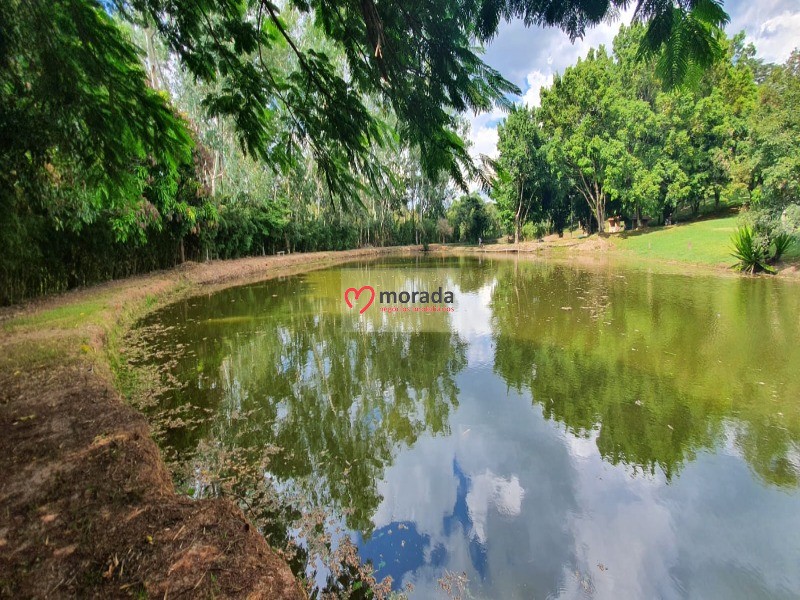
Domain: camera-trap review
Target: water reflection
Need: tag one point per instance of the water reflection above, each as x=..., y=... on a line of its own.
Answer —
x=564, y=433
x=655, y=364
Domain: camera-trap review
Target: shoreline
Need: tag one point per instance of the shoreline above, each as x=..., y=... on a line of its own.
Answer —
x=88, y=507
x=596, y=250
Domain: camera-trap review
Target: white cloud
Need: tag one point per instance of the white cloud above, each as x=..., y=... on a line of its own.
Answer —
x=772, y=25
x=778, y=36
x=488, y=491
x=536, y=81
x=483, y=135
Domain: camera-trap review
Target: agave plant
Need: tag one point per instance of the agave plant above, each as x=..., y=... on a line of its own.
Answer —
x=749, y=252
x=782, y=243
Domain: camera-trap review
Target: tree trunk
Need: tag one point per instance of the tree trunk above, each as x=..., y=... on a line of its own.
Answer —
x=214, y=174
x=600, y=215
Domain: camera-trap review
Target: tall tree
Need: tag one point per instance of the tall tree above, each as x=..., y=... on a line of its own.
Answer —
x=775, y=129
x=522, y=171
x=582, y=114
x=417, y=58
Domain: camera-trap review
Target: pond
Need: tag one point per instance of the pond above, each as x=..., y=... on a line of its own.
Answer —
x=603, y=431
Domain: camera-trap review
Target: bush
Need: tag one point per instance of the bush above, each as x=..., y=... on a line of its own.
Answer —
x=534, y=231
x=782, y=242
x=773, y=231
x=749, y=251
x=790, y=218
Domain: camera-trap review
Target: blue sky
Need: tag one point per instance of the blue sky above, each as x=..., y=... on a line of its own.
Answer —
x=530, y=56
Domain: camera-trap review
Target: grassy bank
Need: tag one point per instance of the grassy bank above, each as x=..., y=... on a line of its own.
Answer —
x=702, y=245
x=705, y=242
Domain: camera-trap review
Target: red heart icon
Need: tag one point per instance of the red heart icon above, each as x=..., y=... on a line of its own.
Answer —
x=357, y=293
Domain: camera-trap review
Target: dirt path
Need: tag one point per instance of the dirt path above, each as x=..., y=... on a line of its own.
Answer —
x=87, y=506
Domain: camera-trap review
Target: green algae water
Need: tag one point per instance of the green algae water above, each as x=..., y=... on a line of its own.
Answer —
x=564, y=432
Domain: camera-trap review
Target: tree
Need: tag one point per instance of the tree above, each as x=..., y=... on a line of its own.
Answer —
x=287, y=107
x=444, y=229
x=613, y=135
x=522, y=171
x=643, y=171
x=582, y=114
x=470, y=218
x=683, y=39
x=78, y=123
x=775, y=129
x=416, y=59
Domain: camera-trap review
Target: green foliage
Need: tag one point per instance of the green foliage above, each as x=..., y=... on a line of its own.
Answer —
x=524, y=185
x=78, y=123
x=287, y=107
x=782, y=242
x=472, y=219
x=615, y=142
x=774, y=157
x=582, y=115
x=684, y=38
x=790, y=218
x=771, y=229
x=424, y=69
x=534, y=231
x=417, y=58
x=749, y=251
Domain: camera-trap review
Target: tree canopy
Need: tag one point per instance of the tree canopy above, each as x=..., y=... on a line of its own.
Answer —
x=167, y=129
x=416, y=59
x=611, y=141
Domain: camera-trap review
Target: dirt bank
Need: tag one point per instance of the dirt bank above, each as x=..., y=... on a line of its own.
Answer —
x=87, y=507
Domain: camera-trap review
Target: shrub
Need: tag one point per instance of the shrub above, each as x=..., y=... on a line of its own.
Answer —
x=533, y=231
x=749, y=251
x=772, y=231
x=790, y=218
x=782, y=242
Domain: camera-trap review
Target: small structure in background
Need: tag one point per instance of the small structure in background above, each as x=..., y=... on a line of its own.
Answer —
x=615, y=224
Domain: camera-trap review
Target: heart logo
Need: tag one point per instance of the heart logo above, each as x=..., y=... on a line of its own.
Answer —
x=357, y=293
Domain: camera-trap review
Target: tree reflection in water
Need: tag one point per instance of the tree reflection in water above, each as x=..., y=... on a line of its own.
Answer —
x=650, y=369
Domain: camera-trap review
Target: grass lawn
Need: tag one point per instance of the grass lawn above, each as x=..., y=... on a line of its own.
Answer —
x=706, y=242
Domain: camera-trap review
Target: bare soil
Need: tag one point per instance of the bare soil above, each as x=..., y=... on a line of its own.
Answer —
x=87, y=505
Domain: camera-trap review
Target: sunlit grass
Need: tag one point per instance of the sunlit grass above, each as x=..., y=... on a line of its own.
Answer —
x=703, y=242
x=67, y=316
